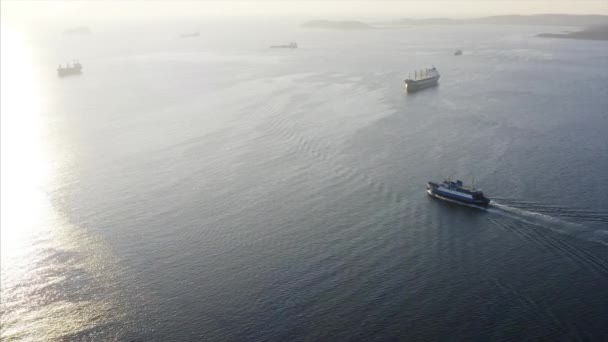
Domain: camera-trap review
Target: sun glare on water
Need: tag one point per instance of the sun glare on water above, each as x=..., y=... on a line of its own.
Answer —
x=36, y=240
x=24, y=168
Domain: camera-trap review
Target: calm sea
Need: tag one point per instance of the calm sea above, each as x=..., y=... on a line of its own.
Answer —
x=215, y=189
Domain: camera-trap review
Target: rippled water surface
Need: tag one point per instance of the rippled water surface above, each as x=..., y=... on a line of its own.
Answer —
x=212, y=188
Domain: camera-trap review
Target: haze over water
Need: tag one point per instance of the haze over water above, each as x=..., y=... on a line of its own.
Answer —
x=213, y=188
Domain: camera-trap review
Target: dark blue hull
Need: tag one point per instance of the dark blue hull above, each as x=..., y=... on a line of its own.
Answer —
x=459, y=199
x=435, y=192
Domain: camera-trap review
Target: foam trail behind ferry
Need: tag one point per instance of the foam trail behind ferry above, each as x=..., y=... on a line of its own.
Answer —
x=540, y=220
x=547, y=221
x=579, y=214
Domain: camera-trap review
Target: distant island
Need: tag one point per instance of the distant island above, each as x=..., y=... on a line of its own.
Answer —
x=591, y=33
x=539, y=19
x=78, y=30
x=337, y=25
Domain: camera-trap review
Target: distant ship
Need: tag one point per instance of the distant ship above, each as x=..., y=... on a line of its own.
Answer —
x=458, y=52
x=291, y=45
x=422, y=79
x=456, y=191
x=190, y=35
x=75, y=68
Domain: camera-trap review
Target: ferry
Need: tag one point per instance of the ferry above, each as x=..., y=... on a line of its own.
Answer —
x=75, y=68
x=422, y=79
x=456, y=191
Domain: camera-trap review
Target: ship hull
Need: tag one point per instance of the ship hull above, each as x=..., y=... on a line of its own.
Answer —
x=437, y=192
x=413, y=86
x=68, y=71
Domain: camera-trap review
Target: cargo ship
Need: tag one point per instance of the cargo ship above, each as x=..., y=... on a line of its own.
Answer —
x=456, y=191
x=74, y=69
x=422, y=79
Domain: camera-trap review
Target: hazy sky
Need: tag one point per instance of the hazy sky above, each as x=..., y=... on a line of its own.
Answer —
x=81, y=11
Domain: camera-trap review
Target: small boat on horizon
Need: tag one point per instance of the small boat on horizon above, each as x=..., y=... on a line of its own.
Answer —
x=456, y=191
x=458, y=52
x=74, y=69
x=292, y=45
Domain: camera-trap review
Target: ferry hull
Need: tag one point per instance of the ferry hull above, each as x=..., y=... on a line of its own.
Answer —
x=434, y=191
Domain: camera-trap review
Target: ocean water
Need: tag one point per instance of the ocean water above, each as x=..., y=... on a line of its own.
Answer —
x=215, y=189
